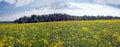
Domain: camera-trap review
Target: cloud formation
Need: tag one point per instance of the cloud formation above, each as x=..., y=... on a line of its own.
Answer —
x=71, y=8
x=23, y=2
x=10, y=1
x=115, y=2
x=19, y=3
x=78, y=9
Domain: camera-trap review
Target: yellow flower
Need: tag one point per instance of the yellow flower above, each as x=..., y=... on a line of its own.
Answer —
x=11, y=37
x=85, y=29
x=115, y=34
x=45, y=41
x=59, y=43
x=30, y=44
x=55, y=46
x=47, y=34
x=84, y=38
x=9, y=46
x=110, y=46
x=1, y=45
x=118, y=38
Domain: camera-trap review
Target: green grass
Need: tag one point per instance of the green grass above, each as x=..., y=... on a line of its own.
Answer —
x=91, y=33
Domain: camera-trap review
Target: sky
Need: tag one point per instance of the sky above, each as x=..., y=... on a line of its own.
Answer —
x=14, y=9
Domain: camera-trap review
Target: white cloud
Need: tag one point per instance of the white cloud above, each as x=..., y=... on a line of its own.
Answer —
x=10, y=1
x=78, y=9
x=19, y=3
x=115, y=2
x=23, y=2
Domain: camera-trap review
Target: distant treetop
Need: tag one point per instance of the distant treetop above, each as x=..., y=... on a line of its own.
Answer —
x=60, y=17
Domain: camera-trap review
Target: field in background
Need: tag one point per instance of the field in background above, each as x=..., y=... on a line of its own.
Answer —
x=97, y=33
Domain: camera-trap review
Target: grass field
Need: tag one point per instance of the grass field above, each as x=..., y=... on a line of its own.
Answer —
x=97, y=33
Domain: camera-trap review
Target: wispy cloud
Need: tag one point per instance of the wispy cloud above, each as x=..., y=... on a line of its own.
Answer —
x=115, y=2
x=23, y=2
x=10, y=1
x=19, y=3
x=79, y=9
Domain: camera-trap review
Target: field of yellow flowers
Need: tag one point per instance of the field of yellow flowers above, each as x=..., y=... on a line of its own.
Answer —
x=96, y=33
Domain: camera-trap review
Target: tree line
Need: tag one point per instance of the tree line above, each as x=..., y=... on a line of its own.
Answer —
x=60, y=17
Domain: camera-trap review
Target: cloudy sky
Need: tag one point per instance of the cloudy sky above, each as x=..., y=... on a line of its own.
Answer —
x=13, y=9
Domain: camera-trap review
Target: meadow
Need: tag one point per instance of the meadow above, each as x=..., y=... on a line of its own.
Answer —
x=91, y=33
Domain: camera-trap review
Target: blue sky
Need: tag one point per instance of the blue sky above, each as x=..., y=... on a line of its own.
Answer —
x=13, y=9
